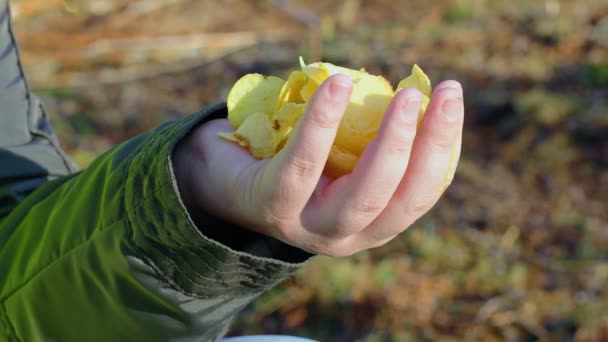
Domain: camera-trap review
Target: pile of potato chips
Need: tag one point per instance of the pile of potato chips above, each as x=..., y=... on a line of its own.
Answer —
x=264, y=110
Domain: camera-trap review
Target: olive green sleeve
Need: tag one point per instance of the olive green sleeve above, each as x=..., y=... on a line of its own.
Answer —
x=111, y=254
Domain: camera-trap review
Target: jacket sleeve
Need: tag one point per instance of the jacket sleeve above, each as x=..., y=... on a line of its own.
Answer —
x=111, y=254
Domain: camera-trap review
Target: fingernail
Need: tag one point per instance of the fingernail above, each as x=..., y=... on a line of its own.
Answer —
x=411, y=109
x=452, y=107
x=339, y=88
x=451, y=85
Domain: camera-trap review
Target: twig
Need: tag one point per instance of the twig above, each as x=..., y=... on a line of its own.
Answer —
x=190, y=41
x=147, y=6
x=24, y=9
x=139, y=72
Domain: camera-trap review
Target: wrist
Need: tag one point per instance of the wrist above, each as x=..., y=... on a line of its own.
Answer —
x=198, y=186
x=183, y=174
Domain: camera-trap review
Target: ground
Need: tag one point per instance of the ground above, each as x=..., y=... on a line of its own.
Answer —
x=516, y=250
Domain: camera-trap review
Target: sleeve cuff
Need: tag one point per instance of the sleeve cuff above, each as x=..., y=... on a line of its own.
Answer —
x=210, y=258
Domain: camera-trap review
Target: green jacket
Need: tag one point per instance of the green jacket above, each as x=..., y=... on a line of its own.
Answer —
x=111, y=254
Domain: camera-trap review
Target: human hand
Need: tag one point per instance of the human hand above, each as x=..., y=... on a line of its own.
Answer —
x=399, y=177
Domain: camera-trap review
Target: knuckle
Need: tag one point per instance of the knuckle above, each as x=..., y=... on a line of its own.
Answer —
x=302, y=168
x=419, y=205
x=368, y=206
x=325, y=117
x=347, y=224
x=397, y=137
x=342, y=228
x=401, y=145
x=442, y=142
x=408, y=135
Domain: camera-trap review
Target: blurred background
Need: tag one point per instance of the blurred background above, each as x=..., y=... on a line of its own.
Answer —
x=517, y=249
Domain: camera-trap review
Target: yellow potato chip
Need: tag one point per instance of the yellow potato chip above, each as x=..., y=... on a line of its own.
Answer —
x=231, y=137
x=250, y=94
x=290, y=92
x=316, y=73
x=285, y=119
x=418, y=79
x=265, y=110
x=370, y=98
x=308, y=90
x=257, y=133
x=340, y=162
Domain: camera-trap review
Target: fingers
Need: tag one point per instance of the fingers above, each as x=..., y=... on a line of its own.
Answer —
x=355, y=200
x=432, y=165
x=294, y=172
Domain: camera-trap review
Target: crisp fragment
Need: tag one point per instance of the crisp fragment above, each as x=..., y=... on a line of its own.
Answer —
x=285, y=121
x=340, y=162
x=419, y=80
x=370, y=98
x=250, y=94
x=265, y=110
x=258, y=135
x=286, y=118
x=316, y=73
x=290, y=92
x=230, y=136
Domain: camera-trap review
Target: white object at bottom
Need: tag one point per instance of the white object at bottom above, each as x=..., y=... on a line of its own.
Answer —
x=267, y=338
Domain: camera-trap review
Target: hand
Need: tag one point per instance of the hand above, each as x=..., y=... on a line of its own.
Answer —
x=399, y=177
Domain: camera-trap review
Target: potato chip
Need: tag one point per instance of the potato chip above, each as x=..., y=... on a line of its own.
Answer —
x=250, y=94
x=266, y=110
x=419, y=80
x=340, y=162
x=308, y=90
x=257, y=134
x=285, y=119
x=290, y=92
x=231, y=137
x=370, y=98
x=316, y=75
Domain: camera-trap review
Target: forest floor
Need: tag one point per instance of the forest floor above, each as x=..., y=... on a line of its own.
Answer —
x=518, y=247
